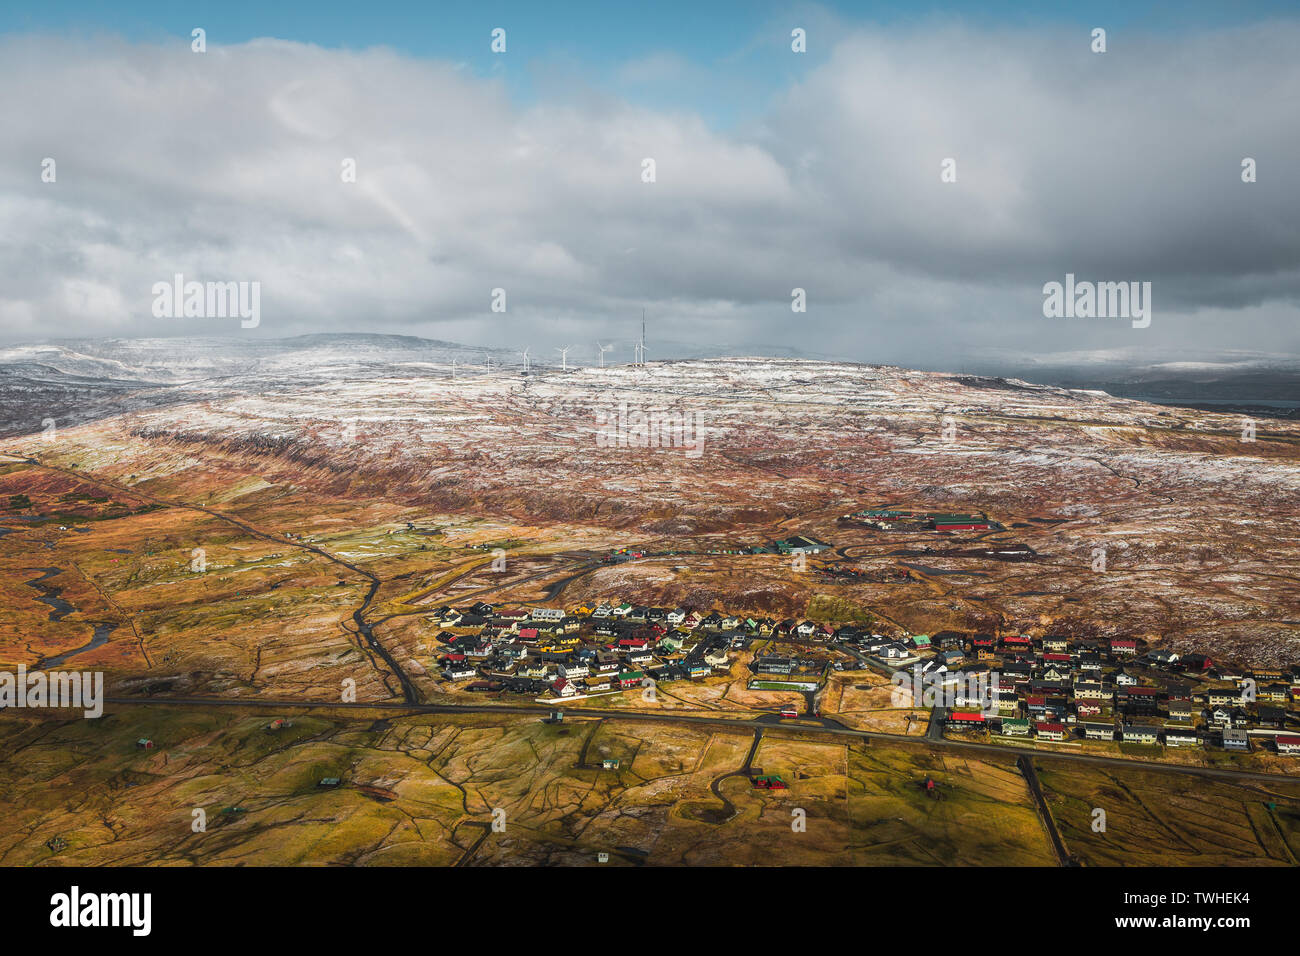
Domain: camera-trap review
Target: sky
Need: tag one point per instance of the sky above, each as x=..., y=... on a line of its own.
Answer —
x=921, y=172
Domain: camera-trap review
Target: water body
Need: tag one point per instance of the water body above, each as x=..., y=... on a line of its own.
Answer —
x=50, y=594
x=1265, y=407
x=1239, y=402
x=100, y=638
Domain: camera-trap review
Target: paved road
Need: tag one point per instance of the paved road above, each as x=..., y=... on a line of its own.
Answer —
x=741, y=724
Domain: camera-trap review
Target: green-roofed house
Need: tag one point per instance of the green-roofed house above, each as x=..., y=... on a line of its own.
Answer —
x=1015, y=727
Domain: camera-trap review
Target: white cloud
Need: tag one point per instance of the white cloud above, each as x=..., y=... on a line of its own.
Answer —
x=226, y=165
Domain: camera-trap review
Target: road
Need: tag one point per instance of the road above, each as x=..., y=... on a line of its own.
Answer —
x=762, y=722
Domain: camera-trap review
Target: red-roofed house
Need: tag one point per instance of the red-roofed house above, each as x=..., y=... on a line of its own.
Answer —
x=1049, y=731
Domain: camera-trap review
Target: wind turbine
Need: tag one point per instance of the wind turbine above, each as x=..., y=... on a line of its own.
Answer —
x=564, y=357
x=524, y=353
x=603, y=350
x=640, y=346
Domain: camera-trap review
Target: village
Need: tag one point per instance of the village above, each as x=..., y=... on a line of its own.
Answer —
x=1009, y=688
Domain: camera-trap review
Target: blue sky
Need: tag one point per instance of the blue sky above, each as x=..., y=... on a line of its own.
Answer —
x=721, y=59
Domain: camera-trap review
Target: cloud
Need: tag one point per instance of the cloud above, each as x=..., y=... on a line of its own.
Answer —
x=226, y=166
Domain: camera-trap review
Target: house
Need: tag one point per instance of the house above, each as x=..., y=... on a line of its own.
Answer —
x=563, y=688
x=1045, y=730
x=1222, y=716
x=630, y=679
x=1181, y=736
x=1138, y=701
x=1181, y=710
x=893, y=651
x=805, y=629
x=1123, y=647
x=1098, y=731
x=609, y=763
x=965, y=720
x=1124, y=679
x=1274, y=693
x=1236, y=740
x=1087, y=708
x=800, y=544
x=956, y=522
x=1287, y=744
x=1273, y=718
x=1017, y=641
x=459, y=672
x=572, y=669
x=1091, y=690
x=717, y=657
x=1056, y=672
x=1141, y=734
x=1055, y=645
x=771, y=664
x=596, y=683
x=1015, y=727
x=144, y=743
